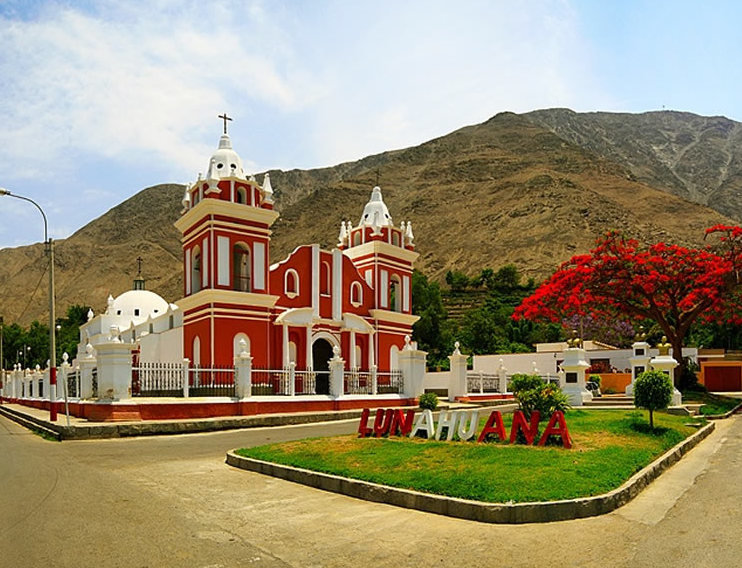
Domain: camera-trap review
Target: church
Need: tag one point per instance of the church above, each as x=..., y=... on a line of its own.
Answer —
x=353, y=301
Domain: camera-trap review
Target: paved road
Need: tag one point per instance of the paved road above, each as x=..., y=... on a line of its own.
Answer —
x=172, y=502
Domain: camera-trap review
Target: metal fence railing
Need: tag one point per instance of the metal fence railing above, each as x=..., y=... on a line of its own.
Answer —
x=390, y=382
x=214, y=381
x=357, y=381
x=157, y=379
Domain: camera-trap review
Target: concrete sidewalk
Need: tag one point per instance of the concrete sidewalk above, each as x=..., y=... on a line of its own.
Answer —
x=81, y=429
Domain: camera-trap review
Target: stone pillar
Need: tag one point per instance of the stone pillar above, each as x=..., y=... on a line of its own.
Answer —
x=374, y=380
x=639, y=362
x=114, y=370
x=337, y=366
x=243, y=372
x=664, y=362
x=574, y=367
x=87, y=364
x=292, y=379
x=412, y=365
x=457, y=386
x=185, y=369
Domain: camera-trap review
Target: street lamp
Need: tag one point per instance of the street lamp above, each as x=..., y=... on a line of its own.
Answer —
x=52, y=319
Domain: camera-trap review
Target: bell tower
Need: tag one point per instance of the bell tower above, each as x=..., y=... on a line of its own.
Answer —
x=384, y=255
x=225, y=226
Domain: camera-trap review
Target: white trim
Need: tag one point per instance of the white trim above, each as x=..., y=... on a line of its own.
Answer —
x=258, y=275
x=337, y=284
x=205, y=264
x=295, y=291
x=355, y=286
x=405, y=294
x=188, y=271
x=223, y=260
x=315, y=279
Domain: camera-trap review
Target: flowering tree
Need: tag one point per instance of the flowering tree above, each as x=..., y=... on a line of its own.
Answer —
x=670, y=284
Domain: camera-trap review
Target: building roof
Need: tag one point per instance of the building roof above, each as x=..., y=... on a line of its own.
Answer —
x=225, y=162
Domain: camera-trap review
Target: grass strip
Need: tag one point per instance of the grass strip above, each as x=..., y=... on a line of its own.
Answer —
x=609, y=447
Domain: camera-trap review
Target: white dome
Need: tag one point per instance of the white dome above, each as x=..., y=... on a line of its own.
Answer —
x=376, y=214
x=225, y=162
x=138, y=305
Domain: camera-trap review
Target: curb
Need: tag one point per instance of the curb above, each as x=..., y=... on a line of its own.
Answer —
x=725, y=415
x=503, y=513
x=31, y=423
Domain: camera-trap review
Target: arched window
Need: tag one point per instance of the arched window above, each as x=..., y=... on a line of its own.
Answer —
x=236, y=348
x=356, y=294
x=324, y=278
x=357, y=238
x=292, y=352
x=291, y=283
x=195, y=269
x=395, y=238
x=359, y=360
x=240, y=195
x=241, y=269
x=395, y=294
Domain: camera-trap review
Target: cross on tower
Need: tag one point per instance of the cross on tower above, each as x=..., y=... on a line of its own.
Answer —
x=139, y=264
x=225, y=118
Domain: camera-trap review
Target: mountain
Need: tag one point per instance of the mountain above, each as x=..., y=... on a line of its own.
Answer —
x=696, y=157
x=509, y=190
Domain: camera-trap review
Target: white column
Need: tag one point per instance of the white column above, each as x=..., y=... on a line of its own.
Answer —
x=337, y=366
x=412, y=365
x=185, y=368
x=243, y=372
x=308, y=347
x=353, y=362
x=285, y=346
x=667, y=364
x=114, y=370
x=639, y=363
x=573, y=384
x=457, y=382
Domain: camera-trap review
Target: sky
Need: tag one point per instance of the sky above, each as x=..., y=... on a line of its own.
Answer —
x=100, y=99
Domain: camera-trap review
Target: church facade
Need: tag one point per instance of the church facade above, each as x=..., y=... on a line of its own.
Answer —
x=353, y=301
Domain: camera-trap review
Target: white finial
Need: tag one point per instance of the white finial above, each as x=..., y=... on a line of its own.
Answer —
x=343, y=236
x=267, y=188
x=186, y=202
x=335, y=352
x=114, y=334
x=407, y=345
x=243, y=348
x=91, y=315
x=89, y=350
x=65, y=357
x=109, y=309
x=456, y=346
x=408, y=234
x=502, y=363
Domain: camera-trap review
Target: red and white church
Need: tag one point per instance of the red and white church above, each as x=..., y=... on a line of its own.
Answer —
x=355, y=298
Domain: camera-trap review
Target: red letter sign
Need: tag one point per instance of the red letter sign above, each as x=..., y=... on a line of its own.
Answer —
x=561, y=430
x=363, y=429
x=498, y=429
x=519, y=423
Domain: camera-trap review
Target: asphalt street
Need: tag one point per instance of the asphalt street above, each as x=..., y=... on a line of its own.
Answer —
x=171, y=501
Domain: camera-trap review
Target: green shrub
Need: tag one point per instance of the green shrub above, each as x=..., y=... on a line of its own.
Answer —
x=652, y=391
x=428, y=401
x=532, y=393
x=595, y=379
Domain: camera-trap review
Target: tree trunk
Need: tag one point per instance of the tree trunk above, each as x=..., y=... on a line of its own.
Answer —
x=677, y=354
x=651, y=420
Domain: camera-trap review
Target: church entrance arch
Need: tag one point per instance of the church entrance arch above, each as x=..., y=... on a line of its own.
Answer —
x=321, y=355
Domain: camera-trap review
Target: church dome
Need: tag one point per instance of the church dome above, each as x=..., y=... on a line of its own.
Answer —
x=376, y=214
x=138, y=305
x=225, y=162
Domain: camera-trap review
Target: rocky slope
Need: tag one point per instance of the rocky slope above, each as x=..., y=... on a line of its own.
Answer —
x=507, y=190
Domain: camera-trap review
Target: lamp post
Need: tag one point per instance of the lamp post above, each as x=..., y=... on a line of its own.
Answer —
x=52, y=319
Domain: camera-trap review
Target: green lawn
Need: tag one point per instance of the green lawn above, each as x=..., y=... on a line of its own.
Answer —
x=713, y=404
x=608, y=447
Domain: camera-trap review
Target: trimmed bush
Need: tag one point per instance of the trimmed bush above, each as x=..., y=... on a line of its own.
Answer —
x=428, y=401
x=532, y=393
x=653, y=391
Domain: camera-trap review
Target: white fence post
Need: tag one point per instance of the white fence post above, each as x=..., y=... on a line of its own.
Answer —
x=186, y=364
x=457, y=386
x=337, y=366
x=292, y=379
x=243, y=372
x=374, y=380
